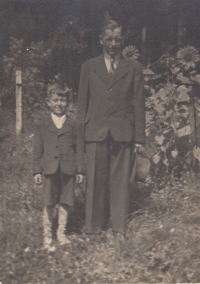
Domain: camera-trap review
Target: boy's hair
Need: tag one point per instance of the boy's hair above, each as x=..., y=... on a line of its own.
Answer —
x=58, y=89
x=109, y=25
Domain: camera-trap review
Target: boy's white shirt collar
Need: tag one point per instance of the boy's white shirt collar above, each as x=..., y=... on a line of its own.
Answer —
x=107, y=59
x=58, y=121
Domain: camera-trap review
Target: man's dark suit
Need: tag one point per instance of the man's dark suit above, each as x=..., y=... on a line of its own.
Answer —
x=112, y=112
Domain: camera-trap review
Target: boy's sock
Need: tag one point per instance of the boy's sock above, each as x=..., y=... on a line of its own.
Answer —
x=47, y=225
x=62, y=222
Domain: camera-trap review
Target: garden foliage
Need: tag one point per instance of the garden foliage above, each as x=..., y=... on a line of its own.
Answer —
x=172, y=111
x=172, y=87
x=41, y=63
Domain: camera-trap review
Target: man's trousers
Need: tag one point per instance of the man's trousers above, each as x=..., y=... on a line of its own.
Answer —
x=107, y=189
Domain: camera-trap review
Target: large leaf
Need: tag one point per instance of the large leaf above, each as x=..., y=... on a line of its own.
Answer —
x=183, y=79
x=186, y=130
x=174, y=153
x=159, y=109
x=156, y=159
x=162, y=94
x=182, y=94
x=159, y=139
x=196, y=78
x=183, y=89
x=182, y=98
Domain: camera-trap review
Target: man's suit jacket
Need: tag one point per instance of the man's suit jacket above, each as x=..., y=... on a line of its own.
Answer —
x=53, y=147
x=114, y=104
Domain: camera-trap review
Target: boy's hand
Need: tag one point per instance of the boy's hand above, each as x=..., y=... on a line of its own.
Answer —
x=79, y=178
x=38, y=179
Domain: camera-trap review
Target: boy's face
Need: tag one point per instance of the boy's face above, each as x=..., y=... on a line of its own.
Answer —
x=58, y=104
x=112, y=41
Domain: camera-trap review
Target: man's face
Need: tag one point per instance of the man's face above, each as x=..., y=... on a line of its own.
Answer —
x=112, y=41
x=58, y=104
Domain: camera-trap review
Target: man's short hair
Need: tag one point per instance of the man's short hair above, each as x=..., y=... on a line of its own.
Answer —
x=58, y=89
x=109, y=25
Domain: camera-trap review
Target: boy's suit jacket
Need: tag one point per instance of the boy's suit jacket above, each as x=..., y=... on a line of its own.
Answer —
x=53, y=147
x=114, y=104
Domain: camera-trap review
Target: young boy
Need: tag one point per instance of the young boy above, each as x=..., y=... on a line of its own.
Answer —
x=54, y=158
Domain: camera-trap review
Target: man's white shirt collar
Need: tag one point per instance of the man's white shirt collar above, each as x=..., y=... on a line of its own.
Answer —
x=58, y=121
x=107, y=59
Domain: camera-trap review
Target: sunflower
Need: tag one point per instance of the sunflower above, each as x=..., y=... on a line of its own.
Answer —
x=188, y=57
x=131, y=52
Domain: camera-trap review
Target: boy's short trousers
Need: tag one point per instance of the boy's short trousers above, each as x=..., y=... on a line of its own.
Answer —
x=58, y=188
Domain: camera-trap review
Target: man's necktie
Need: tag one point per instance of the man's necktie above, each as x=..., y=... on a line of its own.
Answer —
x=112, y=66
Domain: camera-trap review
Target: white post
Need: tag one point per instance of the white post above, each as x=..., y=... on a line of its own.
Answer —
x=18, y=102
x=144, y=35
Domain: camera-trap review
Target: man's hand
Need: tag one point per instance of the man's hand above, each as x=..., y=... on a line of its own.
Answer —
x=79, y=178
x=38, y=179
x=139, y=148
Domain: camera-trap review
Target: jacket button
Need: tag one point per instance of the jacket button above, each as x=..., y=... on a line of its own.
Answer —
x=56, y=157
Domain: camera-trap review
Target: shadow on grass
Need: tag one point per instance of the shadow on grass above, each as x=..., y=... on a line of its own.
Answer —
x=140, y=194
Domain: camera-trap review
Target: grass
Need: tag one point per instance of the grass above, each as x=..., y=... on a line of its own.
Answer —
x=162, y=244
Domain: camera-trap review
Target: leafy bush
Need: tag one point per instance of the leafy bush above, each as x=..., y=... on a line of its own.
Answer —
x=172, y=87
x=172, y=111
x=41, y=63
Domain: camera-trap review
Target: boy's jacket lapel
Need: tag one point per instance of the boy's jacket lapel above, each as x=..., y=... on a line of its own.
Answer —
x=101, y=70
x=50, y=125
x=65, y=128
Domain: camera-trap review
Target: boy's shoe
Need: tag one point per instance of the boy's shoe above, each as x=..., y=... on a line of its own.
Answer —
x=49, y=247
x=62, y=239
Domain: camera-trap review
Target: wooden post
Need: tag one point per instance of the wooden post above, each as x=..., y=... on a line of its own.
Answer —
x=144, y=34
x=93, y=20
x=18, y=102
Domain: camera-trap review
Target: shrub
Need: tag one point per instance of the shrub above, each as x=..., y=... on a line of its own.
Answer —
x=172, y=110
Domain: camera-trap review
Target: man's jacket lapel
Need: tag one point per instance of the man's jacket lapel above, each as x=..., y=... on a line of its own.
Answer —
x=101, y=70
x=121, y=71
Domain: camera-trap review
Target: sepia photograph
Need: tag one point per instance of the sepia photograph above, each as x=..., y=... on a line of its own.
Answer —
x=99, y=141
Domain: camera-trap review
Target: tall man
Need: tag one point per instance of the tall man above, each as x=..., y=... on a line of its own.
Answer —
x=111, y=109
